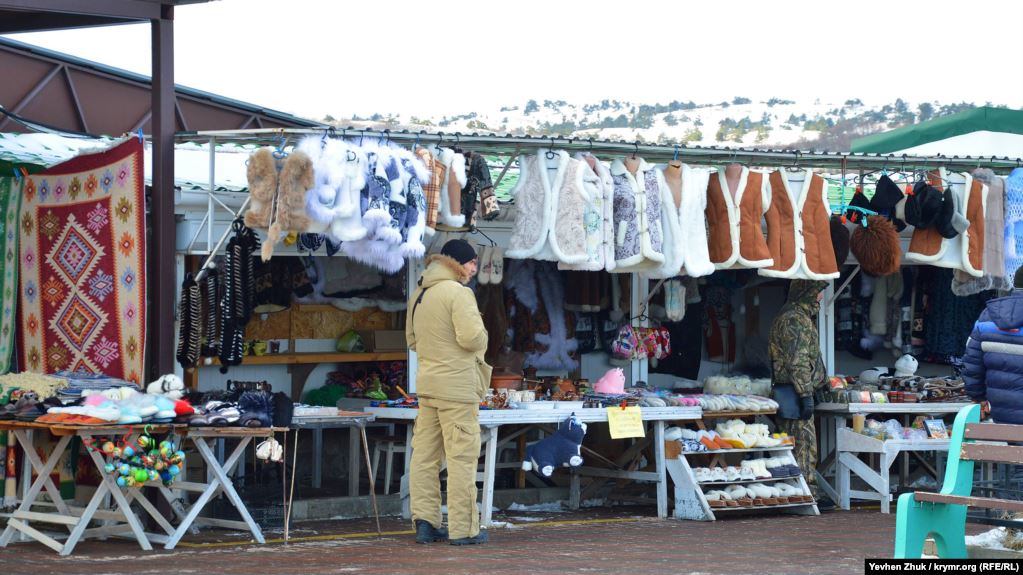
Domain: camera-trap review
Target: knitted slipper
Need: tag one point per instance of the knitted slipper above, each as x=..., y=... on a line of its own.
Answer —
x=484, y=265
x=497, y=265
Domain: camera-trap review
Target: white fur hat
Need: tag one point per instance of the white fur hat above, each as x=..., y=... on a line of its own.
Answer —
x=906, y=366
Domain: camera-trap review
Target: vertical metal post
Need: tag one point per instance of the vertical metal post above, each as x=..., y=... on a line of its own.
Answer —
x=161, y=254
x=209, y=199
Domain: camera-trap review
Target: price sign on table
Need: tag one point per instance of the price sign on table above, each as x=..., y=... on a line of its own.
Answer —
x=624, y=423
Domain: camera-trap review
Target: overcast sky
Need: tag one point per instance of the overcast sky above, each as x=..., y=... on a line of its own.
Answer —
x=317, y=57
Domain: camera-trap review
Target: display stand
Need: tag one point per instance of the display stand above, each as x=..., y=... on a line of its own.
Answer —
x=851, y=444
x=835, y=418
x=492, y=420
x=690, y=495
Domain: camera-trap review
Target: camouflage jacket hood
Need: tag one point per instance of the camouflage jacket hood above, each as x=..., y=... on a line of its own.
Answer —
x=794, y=343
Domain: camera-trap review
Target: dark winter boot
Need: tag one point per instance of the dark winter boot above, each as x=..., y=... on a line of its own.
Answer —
x=426, y=533
x=477, y=540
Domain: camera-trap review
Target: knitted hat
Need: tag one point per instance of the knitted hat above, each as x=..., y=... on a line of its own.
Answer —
x=839, y=240
x=923, y=208
x=459, y=250
x=1017, y=280
x=877, y=247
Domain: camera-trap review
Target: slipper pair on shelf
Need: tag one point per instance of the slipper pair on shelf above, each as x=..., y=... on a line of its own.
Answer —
x=759, y=495
x=27, y=407
x=723, y=474
x=253, y=409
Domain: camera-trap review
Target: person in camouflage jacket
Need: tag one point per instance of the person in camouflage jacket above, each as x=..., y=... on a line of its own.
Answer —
x=798, y=370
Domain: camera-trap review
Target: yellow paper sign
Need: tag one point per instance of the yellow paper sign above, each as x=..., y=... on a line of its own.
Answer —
x=626, y=422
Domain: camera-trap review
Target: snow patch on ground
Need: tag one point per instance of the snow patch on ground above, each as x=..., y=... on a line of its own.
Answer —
x=988, y=540
x=552, y=507
x=924, y=482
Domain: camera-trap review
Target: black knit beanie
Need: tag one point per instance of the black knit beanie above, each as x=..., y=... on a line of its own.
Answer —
x=459, y=250
x=1017, y=280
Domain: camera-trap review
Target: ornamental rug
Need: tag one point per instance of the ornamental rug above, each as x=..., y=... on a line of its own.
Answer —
x=82, y=292
x=10, y=203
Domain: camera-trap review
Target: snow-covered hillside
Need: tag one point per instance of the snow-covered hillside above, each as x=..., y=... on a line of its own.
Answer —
x=741, y=122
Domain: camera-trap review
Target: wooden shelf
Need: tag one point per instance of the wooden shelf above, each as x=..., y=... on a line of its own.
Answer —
x=320, y=357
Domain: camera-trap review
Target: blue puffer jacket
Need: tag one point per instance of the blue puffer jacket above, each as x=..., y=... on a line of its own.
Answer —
x=994, y=359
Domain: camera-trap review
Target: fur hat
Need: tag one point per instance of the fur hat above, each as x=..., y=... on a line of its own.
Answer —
x=859, y=201
x=877, y=247
x=886, y=196
x=906, y=366
x=924, y=206
x=839, y=240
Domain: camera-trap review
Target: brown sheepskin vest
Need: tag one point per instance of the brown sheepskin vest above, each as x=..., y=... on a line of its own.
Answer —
x=735, y=232
x=927, y=242
x=799, y=230
x=974, y=257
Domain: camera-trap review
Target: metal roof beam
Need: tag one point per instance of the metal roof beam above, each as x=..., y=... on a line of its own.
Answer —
x=124, y=9
x=495, y=144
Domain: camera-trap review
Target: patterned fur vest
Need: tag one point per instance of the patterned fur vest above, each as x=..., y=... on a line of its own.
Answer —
x=638, y=238
x=799, y=228
x=965, y=251
x=598, y=217
x=551, y=198
x=735, y=231
x=673, y=240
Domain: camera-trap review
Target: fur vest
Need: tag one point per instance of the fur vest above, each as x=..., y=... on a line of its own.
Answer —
x=598, y=217
x=799, y=228
x=414, y=227
x=431, y=187
x=638, y=237
x=551, y=199
x=450, y=187
x=672, y=243
x=735, y=231
x=966, y=250
x=339, y=177
x=693, y=222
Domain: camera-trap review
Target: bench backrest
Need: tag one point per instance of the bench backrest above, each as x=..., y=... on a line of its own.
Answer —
x=959, y=469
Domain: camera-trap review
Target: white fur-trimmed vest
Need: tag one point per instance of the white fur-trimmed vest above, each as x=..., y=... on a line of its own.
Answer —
x=550, y=199
x=735, y=233
x=450, y=207
x=692, y=220
x=637, y=216
x=965, y=251
x=346, y=224
x=598, y=217
x=799, y=228
x=672, y=236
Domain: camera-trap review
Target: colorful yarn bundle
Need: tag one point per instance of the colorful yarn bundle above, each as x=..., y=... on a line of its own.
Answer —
x=144, y=460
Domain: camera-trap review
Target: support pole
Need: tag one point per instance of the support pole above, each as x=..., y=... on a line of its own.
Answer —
x=161, y=291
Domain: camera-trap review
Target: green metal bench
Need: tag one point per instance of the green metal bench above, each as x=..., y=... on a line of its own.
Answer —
x=943, y=514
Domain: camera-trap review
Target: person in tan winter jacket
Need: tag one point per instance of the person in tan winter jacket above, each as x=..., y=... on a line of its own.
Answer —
x=445, y=329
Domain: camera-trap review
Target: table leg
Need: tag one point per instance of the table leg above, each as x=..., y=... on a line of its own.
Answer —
x=662, y=478
x=122, y=503
x=489, y=468
x=372, y=476
x=36, y=463
x=353, y=461
x=42, y=480
x=406, y=503
x=317, y=457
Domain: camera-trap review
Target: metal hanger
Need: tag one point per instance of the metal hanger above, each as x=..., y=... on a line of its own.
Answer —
x=482, y=233
x=635, y=150
x=550, y=151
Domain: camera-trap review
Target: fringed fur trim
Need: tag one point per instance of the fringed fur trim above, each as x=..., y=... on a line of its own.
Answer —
x=452, y=264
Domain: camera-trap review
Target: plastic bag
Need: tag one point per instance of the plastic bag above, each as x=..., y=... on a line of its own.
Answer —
x=894, y=429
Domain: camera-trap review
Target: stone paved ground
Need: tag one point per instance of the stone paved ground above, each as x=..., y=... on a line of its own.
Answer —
x=623, y=540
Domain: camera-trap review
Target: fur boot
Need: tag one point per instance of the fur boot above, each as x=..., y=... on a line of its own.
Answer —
x=262, y=176
x=877, y=247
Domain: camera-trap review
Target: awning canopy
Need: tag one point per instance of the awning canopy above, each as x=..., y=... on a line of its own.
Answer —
x=980, y=132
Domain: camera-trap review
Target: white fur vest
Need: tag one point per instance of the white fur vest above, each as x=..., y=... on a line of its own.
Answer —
x=637, y=216
x=799, y=228
x=551, y=199
x=965, y=251
x=693, y=222
x=454, y=180
x=598, y=217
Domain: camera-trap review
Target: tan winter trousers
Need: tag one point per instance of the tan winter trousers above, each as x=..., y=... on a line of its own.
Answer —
x=451, y=431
